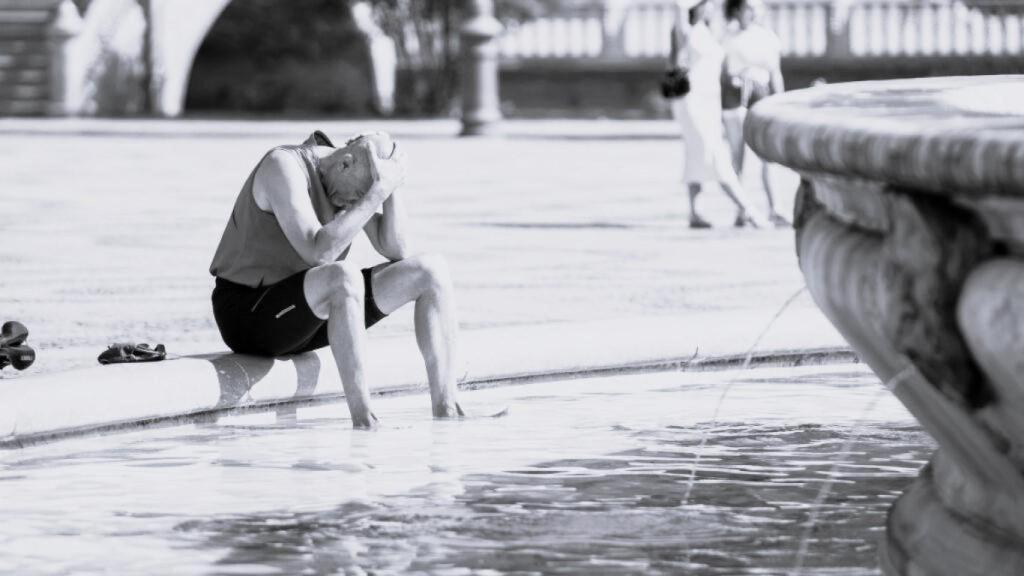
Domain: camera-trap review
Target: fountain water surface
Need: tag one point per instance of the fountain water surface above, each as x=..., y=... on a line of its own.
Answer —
x=584, y=477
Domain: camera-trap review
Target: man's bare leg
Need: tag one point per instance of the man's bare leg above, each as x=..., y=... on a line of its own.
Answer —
x=424, y=279
x=335, y=292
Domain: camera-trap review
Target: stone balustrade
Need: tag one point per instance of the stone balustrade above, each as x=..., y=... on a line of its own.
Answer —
x=910, y=233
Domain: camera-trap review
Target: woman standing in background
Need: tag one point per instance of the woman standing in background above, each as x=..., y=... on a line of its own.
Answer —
x=699, y=112
x=753, y=56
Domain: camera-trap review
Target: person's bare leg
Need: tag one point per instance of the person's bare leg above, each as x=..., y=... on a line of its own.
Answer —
x=773, y=213
x=335, y=292
x=425, y=280
x=732, y=120
x=696, y=221
x=745, y=213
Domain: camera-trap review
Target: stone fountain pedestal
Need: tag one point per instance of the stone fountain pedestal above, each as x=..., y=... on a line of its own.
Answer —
x=910, y=233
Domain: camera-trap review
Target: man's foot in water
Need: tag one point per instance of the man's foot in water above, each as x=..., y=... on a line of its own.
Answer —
x=461, y=414
x=448, y=410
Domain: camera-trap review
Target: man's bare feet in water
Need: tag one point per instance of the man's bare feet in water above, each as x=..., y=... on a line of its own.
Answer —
x=369, y=422
x=462, y=415
x=449, y=410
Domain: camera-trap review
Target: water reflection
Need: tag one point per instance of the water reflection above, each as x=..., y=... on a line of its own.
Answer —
x=578, y=480
x=609, y=514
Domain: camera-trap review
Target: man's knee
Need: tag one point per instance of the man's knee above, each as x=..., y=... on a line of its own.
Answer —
x=434, y=272
x=345, y=282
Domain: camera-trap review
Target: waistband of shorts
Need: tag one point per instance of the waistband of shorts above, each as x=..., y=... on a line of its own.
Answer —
x=225, y=284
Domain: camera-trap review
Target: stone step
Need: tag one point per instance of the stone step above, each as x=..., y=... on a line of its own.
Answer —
x=22, y=108
x=24, y=46
x=23, y=61
x=22, y=31
x=24, y=76
x=47, y=7
x=15, y=16
x=16, y=92
x=29, y=4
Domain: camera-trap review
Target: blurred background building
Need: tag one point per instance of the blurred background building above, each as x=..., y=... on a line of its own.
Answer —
x=566, y=58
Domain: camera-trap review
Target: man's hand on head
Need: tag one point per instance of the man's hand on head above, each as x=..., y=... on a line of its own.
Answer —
x=387, y=168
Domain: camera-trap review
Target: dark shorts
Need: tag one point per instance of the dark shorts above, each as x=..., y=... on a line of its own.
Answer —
x=745, y=94
x=276, y=320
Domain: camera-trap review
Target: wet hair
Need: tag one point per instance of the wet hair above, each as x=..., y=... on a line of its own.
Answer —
x=733, y=8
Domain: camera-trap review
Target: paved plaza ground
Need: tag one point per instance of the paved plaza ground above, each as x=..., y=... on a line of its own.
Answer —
x=107, y=228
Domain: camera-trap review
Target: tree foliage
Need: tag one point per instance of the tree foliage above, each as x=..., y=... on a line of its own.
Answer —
x=426, y=36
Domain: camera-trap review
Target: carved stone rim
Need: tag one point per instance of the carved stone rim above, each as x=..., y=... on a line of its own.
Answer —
x=922, y=134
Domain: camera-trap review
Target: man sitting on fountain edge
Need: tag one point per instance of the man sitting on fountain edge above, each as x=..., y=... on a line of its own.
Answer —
x=283, y=285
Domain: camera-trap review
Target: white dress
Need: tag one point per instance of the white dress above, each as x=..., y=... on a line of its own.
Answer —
x=700, y=112
x=754, y=52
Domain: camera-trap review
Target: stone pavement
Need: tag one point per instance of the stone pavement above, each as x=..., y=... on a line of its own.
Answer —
x=107, y=229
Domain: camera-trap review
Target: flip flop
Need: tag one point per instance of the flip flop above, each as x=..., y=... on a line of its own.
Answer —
x=126, y=352
x=19, y=357
x=13, y=333
x=698, y=223
x=13, y=350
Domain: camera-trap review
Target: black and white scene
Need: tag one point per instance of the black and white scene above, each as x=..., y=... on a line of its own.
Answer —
x=512, y=287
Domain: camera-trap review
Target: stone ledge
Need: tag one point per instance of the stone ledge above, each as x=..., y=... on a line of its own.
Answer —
x=52, y=406
x=928, y=134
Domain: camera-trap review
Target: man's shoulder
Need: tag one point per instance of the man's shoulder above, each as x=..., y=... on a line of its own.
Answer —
x=281, y=173
x=280, y=160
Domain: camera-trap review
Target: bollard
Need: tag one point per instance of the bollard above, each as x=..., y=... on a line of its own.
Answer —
x=480, y=101
x=66, y=25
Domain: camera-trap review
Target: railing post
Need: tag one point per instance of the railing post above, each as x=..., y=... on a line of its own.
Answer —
x=837, y=43
x=481, y=109
x=66, y=25
x=613, y=30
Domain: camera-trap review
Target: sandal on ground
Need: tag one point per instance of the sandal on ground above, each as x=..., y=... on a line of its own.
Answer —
x=698, y=223
x=126, y=352
x=778, y=220
x=744, y=219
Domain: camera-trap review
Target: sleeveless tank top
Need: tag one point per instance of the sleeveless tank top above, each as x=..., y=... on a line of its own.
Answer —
x=253, y=250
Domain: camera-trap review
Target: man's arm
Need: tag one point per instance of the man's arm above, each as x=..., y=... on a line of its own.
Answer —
x=386, y=231
x=281, y=185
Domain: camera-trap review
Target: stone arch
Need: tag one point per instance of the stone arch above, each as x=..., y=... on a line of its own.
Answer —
x=108, y=63
x=182, y=26
x=111, y=45
x=283, y=56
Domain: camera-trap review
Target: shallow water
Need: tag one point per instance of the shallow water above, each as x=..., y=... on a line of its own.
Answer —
x=583, y=477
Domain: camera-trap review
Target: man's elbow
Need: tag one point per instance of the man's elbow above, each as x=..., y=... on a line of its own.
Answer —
x=397, y=251
x=319, y=260
x=322, y=249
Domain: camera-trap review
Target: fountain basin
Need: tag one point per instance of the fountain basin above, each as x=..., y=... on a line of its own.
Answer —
x=910, y=232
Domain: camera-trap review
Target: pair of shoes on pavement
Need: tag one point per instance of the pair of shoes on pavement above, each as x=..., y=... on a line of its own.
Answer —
x=127, y=352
